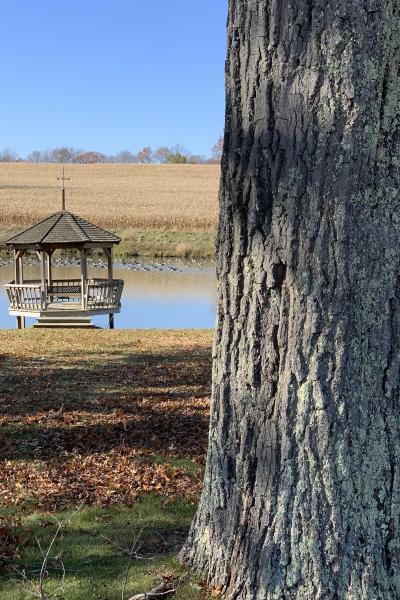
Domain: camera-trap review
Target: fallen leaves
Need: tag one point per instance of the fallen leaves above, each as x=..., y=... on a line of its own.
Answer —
x=100, y=479
x=124, y=405
x=152, y=424
x=211, y=591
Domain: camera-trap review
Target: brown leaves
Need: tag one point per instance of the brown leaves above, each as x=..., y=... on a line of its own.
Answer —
x=211, y=591
x=130, y=410
x=102, y=479
x=150, y=425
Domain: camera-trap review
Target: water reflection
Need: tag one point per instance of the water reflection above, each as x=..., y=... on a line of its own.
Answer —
x=169, y=296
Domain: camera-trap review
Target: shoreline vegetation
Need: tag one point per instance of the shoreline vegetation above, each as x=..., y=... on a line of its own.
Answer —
x=149, y=243
x=105, y=432
x=160, y=211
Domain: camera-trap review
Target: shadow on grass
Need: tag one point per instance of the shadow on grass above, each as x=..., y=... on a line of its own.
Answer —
x=34, y=385
x=94, y=547
x=150, y=431
x=151, y=402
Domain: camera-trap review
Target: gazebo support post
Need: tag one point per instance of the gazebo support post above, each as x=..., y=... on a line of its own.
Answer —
x=19, y=278
x=83, y=278
x=49, y=272
x=19, y=273
x=109, y=253
x=49, y=268
x=42, y=257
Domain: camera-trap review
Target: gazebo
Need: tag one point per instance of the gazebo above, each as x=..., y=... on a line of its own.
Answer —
x=63, y=302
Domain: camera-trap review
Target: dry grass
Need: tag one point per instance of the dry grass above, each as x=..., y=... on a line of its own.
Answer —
x=168, y=197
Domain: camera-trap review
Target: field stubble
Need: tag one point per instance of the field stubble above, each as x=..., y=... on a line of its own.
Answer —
x=119, y=197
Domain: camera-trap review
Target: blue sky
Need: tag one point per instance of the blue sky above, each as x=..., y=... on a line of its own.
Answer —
x=108, y=75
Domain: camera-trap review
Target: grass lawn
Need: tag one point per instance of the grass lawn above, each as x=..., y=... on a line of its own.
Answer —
x=105, y=431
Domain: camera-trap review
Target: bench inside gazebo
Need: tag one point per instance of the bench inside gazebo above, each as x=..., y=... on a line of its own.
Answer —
x=63, y=302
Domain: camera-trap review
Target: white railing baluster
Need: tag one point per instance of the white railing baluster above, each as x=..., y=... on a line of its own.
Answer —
x=101, y=294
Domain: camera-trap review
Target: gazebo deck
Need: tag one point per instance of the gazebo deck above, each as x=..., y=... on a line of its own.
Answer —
x=64, y=297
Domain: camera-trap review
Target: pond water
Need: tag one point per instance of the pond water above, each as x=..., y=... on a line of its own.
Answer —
x=168, y=295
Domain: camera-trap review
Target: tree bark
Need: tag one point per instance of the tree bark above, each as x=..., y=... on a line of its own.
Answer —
x=301, y=495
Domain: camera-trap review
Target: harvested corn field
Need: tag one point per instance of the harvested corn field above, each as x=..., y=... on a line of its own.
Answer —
x=120, y=197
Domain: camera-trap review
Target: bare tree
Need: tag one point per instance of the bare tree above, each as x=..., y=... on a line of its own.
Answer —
x=35, y=156
x=217, y=149
x=161, y=154
x=145, y=155
x=90, y=158
x=195, y=159
x=125, y=156
x=301, y=495
x=164, y=154
x=61, y=155
x=8, y=155
x=171, y=155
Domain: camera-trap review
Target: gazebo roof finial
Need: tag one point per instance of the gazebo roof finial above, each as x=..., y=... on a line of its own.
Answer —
x=63, y=179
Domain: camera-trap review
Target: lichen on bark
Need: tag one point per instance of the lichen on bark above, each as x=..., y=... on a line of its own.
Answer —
x=301, y=495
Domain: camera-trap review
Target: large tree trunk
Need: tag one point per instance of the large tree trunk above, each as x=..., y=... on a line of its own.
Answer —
x=301, y=496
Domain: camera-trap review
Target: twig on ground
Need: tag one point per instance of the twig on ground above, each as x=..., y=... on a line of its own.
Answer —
x=125, y=550
x=133, y=553
x=43, y=570
x=162, y=590
x=38, y=589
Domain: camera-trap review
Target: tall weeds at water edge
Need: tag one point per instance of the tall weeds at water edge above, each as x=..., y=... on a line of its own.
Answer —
x=169, y=197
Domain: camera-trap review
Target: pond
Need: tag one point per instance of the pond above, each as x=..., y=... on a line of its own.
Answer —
x=165, y=295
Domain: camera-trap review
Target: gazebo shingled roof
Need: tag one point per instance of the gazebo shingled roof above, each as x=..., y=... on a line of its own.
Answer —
x=63, y=228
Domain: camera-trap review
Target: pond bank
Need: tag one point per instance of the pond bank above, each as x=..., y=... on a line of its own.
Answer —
x=151, y=243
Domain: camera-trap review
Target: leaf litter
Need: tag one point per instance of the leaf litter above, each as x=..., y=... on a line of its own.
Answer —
x=102, y=417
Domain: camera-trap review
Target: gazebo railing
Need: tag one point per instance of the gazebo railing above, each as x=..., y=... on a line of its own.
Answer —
x=101, y=293
x=98, y=294
x=25, y=296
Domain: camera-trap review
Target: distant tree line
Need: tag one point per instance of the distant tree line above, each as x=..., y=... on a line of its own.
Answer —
x=164, y=155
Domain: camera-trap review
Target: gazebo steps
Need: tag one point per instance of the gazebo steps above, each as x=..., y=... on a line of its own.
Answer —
x=65, y=322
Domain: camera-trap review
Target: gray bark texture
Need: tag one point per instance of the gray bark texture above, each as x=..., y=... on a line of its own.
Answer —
x=301, y=496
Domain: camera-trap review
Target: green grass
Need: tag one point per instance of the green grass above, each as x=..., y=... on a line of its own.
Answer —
x=186, y=463
x=94, y=566
x=117, y=388
x=158, y=243
x=154, y=243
